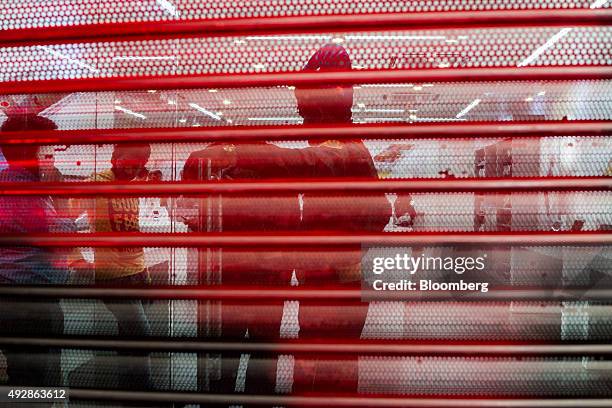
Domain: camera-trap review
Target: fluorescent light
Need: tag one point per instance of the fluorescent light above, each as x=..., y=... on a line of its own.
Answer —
x=395, y=37
x=205, y=111
x=213, y=91
x=275, y=119
x=227, y=102
x=541, y=93
x=182, y=120
x=387, y=85
x=529, y=99
x=289, y=37
x=540, y=50
x=444, y=65
x=130, y=112
x=418, y=88
x=151, y=91
x=384, y=119
x=385, y=110
x=598, y=4
x=421, y=119
x=144, y=58
x=171, y=102
x=168, y=7
x=71, y=60
x=468, y=108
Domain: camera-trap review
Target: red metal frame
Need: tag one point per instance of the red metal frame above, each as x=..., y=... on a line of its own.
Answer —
x=366, y=22
x=261, y=295
x=313, y=132
x=362, y=346
x=148, y=30
x=331, y=186
x=307, y=79
x=326, y=401
x=313, y=240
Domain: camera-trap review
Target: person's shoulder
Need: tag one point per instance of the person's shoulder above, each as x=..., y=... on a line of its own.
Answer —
x=211, y=151
x=106, y=175
x=215, y=156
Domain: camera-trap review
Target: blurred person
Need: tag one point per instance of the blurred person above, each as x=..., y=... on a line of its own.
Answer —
x=296, y=212
x=155, y=175
x=293, y=212
x=321, y=159
x=30, y=265
x=121, y=266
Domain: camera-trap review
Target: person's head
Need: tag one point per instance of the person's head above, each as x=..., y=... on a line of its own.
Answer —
x=129, y=160
x=326, y=104
x=155, y=175
x=24, y=156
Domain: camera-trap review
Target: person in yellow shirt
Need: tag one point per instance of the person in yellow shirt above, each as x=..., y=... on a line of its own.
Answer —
x=116, y=214
x=121, y=266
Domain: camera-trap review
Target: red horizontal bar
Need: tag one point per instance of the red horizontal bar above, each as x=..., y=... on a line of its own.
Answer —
x=312, y=132
x=365, y=347
x=150, y=30
x=259, y=295
x=332, y=186
x=281, y=240
x=327, y=401
x=307, y=79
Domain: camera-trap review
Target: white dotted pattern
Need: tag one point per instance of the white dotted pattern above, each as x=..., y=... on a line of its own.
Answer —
x=504, y=47
x=284, y=374
x=480, y=376
x=290, y=324
x=400, y=104
x=47, y=13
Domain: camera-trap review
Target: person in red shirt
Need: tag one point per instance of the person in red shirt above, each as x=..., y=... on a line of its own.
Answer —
x=339, y=159
x=346, y=159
